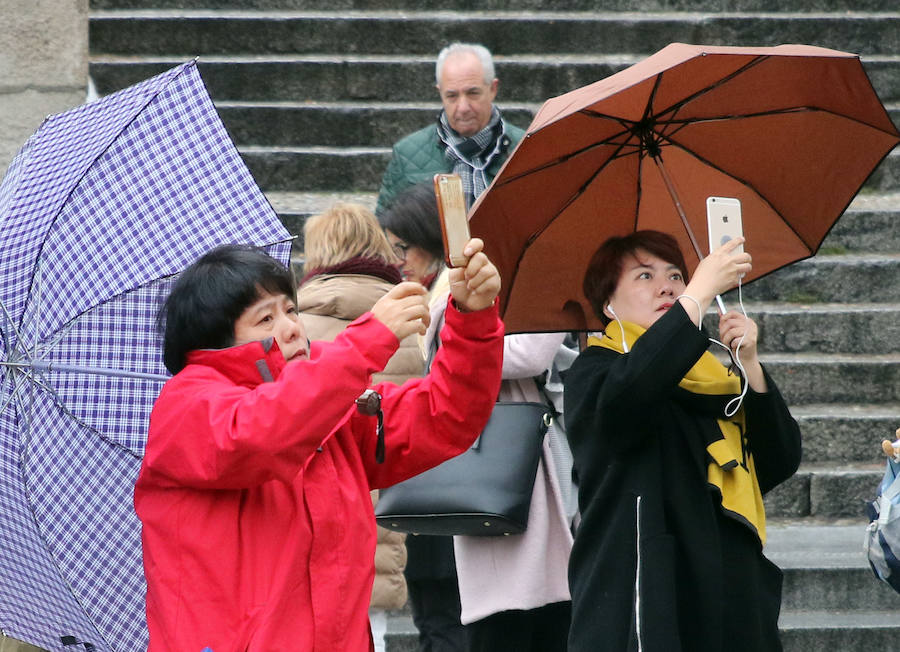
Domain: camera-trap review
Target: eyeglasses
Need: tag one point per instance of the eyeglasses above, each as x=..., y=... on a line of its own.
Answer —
x=400, y=248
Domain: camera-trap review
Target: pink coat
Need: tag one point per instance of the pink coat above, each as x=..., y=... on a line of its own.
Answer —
x=528, y=570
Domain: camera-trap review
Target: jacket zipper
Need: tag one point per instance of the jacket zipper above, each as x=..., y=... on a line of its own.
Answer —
x=637, y=577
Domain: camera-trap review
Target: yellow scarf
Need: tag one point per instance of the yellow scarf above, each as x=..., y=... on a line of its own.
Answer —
x=732, y=469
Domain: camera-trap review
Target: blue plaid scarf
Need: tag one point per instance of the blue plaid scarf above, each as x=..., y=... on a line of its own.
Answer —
x=470, y=156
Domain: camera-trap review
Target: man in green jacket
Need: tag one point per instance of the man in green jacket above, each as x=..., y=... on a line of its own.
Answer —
x=468, y=138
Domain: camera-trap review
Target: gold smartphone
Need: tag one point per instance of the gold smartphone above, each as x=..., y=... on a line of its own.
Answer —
x=451, y=203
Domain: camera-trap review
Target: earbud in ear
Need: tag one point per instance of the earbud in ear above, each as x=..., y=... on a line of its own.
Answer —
x=612, y=311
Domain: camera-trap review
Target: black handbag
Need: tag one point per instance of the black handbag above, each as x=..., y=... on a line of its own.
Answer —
x=485, y=491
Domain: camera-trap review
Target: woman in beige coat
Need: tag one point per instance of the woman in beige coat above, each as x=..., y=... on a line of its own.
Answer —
x=348, y=266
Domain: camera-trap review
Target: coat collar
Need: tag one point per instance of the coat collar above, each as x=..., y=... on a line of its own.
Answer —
x=248, y=364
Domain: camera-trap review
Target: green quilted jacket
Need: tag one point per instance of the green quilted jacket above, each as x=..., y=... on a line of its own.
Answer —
x=419, y=156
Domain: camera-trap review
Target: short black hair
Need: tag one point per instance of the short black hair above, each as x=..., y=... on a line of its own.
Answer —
x=211, y=294
x=413, y=217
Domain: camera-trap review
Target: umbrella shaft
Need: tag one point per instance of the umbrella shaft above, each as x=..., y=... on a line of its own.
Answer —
x=43, y=365
x=671, y=188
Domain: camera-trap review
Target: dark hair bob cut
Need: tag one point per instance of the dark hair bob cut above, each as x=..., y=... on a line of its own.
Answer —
x=211, y=294
x=413, y=217
x=605, y=267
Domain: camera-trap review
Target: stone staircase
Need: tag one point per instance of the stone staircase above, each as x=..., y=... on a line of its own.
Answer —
x=314, y=92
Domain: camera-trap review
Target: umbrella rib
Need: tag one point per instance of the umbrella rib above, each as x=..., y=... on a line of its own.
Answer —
x=29, y=501
x=145, y=101
x=534, y=236
x=744, y=182
x=8, y=318
x=674, y=108
x=680, y=124
x=568, y=157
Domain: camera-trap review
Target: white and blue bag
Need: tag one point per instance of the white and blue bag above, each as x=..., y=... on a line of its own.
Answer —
x=882, y=544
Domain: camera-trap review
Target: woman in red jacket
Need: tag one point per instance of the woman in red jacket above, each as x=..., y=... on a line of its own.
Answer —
x=258, y=532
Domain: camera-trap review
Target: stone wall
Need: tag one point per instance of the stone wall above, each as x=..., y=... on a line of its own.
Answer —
x=43, y=65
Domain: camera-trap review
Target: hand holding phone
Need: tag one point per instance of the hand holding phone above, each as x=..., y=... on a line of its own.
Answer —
x=723, y=223
x=451, y=203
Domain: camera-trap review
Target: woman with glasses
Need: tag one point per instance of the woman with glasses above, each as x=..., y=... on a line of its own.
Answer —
x=412, y=226
x=513, y=592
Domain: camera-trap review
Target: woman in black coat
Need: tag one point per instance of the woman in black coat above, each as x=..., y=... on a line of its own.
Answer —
x=671, y=468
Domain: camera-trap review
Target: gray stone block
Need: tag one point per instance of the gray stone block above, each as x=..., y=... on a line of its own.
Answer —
x=507, y=5
x=289, y=170
x=836, y=379
x=824, y=328
x=306, y=169
x=865, y=231
x=834, y=588
x=845, y=434
x=854, y=633
x=830, y=279
x=826, y=491
x=509, y=33
x=337, y=124
x=838, y=494
x=887, y=175
x=789, y=499
x=329, y=78
x=23, y=112
x=44, y=45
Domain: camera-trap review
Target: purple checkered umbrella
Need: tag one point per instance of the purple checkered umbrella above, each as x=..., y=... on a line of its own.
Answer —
x=101, y=208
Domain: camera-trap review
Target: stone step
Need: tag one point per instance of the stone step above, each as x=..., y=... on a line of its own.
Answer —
x=845, y=434
x=853, y=631
x=825, y=566
x=212, y=33
x=294, y=207
x=349, y=124
x=869, y=328
x=508, y=5
x=339, y=124
x=826, y=490
x=869, y=225
x=871, y=278
x=361, y=168
x=873, y=227
x=397, y=78
x=811, y=378
x=831, y=600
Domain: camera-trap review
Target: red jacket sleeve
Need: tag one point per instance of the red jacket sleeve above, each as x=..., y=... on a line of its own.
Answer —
x=431, y=419
x=206, y=431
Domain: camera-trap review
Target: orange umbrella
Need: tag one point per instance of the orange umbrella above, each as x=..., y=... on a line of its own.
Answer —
x=792, y=131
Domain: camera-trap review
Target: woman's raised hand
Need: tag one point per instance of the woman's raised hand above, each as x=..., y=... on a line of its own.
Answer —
x=719, y=272
x=404, y=309
x=475, y=286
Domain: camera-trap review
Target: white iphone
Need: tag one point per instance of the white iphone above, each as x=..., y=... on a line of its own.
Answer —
x=723, y=221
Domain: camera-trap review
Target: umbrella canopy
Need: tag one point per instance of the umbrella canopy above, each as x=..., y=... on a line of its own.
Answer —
x=99, y=211
x=792, y=131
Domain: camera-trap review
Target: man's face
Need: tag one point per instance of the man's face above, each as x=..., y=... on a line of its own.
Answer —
x=467, y=99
